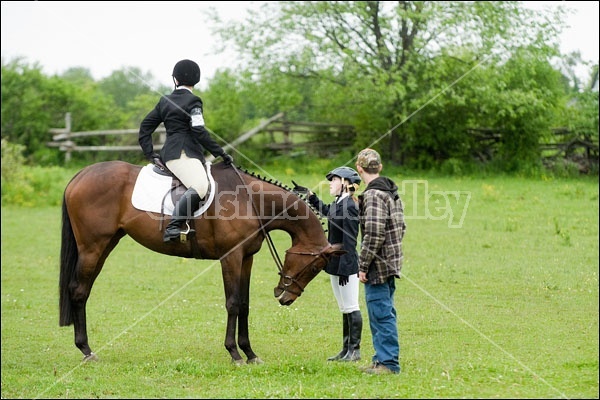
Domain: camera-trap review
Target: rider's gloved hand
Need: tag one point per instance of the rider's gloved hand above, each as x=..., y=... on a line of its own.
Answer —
x=155, y=157
x=227, y=159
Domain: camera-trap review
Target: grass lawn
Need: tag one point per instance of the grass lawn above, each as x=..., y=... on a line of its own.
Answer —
x=498, y=299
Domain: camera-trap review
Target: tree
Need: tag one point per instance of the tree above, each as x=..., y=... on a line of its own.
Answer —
x=78, y=76
x=126, y=84
x=32, y=103
x=391, y=61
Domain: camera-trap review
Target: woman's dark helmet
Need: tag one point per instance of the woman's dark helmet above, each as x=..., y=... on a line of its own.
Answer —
x=187, y=72
x=345, y=173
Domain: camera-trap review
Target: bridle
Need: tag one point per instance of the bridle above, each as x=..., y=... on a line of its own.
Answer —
x=288, y=281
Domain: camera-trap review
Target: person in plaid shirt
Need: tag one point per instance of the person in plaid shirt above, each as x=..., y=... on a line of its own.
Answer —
x=381, y=214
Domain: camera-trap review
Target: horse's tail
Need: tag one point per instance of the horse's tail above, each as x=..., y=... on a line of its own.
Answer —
x=68, y=262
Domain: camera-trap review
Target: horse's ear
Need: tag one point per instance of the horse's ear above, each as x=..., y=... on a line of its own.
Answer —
x=334, y=250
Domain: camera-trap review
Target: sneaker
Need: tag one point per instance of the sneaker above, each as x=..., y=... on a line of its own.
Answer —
x=379, y=369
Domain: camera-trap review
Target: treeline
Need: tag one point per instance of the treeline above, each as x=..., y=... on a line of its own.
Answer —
x=414, y=78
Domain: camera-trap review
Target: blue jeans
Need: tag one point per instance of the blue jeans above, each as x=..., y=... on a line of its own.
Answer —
x=382, y=321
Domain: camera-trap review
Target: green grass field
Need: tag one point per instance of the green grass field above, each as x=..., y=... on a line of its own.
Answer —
x=499, y=299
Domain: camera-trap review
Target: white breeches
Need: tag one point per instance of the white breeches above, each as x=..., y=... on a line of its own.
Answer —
x=347, y=295
x=190, y=172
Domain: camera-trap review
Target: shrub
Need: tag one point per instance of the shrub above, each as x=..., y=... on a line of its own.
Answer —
x=27, y=186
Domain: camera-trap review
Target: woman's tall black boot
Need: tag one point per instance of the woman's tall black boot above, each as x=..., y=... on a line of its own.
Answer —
x=355, y=323
x=346, y=340
x=184, y=209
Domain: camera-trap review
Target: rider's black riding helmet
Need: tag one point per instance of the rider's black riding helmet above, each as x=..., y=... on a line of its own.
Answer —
x=187, y=72
x=345, y=173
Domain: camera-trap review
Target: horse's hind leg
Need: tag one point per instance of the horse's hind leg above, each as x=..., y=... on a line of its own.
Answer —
x=89, y=265
x=80, y=293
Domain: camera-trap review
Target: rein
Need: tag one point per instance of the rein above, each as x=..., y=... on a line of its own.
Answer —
x=270, y=243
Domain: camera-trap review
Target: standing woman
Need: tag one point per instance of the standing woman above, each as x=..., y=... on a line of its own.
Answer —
x=342, y=218
x=187, y=138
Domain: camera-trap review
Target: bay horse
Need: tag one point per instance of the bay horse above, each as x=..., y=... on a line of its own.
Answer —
x=97, y=212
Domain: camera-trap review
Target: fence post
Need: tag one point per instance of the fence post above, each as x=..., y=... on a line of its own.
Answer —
x=68, y=140
x=287, y=140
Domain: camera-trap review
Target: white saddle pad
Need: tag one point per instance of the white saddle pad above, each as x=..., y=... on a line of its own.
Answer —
x=150, y=190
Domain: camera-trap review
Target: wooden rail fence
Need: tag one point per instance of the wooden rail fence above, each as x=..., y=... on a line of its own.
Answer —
x=63, y=138
x=564, y=144
x=283, y=137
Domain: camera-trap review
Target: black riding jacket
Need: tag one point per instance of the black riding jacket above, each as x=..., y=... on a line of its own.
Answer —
x=175, y=111
x=342, y=227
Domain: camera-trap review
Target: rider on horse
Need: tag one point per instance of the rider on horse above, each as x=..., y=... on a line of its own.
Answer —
x=182, y=114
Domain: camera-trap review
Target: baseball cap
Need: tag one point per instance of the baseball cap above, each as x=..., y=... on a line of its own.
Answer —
x=368, y=158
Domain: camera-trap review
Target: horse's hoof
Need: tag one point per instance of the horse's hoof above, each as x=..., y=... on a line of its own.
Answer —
x=238, y=362
x=255, y=360
x=90, y=357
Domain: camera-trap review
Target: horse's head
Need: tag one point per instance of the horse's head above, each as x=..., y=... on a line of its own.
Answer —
x=299, y=268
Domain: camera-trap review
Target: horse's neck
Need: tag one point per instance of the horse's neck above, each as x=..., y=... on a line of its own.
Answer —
x=280, y=208
x=303, y=226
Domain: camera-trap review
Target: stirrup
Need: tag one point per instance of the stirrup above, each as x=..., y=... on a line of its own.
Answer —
x=183, y=235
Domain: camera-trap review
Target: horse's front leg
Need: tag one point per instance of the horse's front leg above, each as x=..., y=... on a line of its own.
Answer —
x=231, y=270
x=230, y=343
x=244, y=311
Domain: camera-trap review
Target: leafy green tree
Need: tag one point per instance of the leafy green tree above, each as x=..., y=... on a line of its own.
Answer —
x=32, y=103
x=391, y=61
x=528, y=96
x=224, y=109
x=78, y=76
x=125, y=84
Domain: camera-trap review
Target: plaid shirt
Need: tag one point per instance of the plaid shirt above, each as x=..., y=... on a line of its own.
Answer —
x=382, y=228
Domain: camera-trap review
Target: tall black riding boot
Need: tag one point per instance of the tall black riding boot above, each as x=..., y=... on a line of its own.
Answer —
x=184, y=209
x=346, y=340
x=355, y=322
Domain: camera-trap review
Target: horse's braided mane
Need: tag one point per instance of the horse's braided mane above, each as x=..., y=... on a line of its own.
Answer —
x=268, y=180
x=286, y=188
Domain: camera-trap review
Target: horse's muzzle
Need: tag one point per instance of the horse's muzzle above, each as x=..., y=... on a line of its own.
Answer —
x=285, y=298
